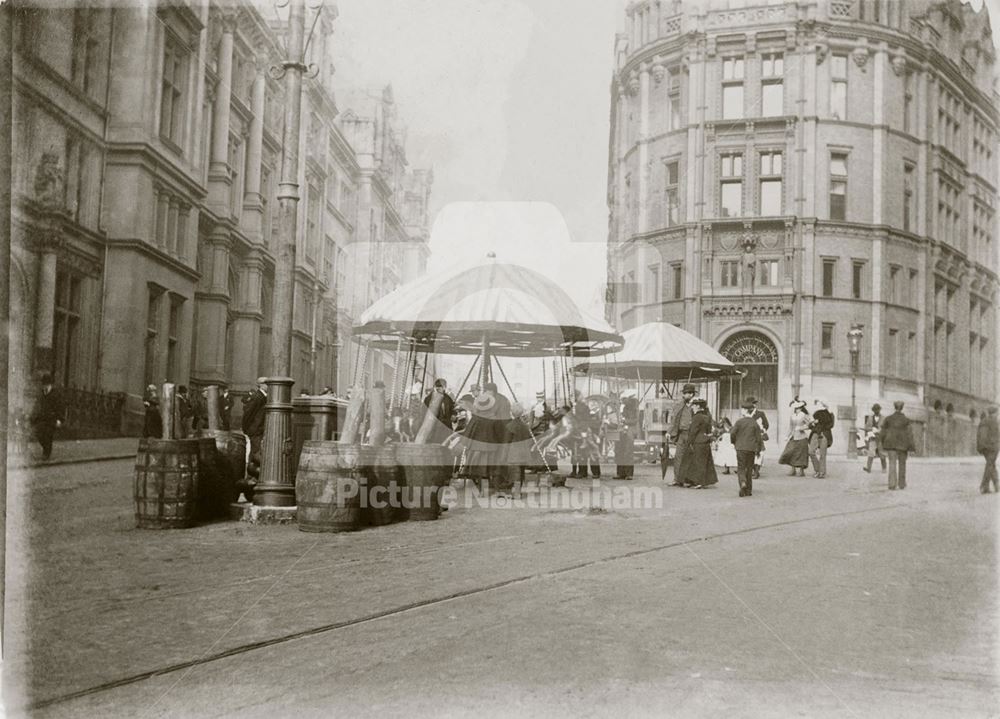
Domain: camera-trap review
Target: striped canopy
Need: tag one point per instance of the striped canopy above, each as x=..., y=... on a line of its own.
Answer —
x=659, y=351
x=515, y=310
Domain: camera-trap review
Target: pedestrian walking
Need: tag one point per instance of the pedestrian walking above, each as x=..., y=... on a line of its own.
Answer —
x=796, y=452
x=746, y=439
x=678, y=427
x=820, y=437
x=697, y=469
x=873, y=437
x=987, y=444
x=761, y=419
x=897, y=441
x=47, y=415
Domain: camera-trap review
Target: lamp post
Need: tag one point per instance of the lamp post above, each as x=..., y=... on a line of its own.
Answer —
x=854, y=337
x=277, y=486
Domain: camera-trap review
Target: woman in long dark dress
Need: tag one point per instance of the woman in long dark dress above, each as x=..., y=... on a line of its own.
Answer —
x=796, y=454
x=697, y=466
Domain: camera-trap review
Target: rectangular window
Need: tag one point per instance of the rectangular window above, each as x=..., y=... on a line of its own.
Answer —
x=66, y=327
x=312, y=225
x=770, y=184
x=678, y=269
x=826, y=342
x=173, y=335
x=173, y=83
x=730, y=273
x=653, y=284
x=908, y=217
x=732, y=88
x=838, y=186
x=674, y=98
x=265, y=201
x=235, y=162
x=673, y=209
x=731, y=186
x=772, y=86
x=892, y=353
x=857, y=279
x=829, y=269
x=894, y=284
x=913, y=293
x=838, y=87
x=907, y=102
x=152, y=332
x=769, y=273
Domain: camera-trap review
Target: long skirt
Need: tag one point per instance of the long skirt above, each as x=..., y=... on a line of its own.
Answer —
x=697, y=466
x=725, y=453
x=796, y=454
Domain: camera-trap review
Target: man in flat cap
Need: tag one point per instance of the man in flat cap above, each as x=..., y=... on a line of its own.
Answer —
x=677, y=431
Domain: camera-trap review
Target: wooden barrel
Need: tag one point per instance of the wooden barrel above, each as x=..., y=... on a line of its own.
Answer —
x=328, y=486
x=386, y=479
x=168, y=475
x=426, y=468
x=231, y=461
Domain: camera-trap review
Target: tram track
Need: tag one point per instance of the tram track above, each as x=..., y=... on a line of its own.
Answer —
x=209, y=658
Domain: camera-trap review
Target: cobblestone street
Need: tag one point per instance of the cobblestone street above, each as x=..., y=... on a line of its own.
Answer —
x=689, y=609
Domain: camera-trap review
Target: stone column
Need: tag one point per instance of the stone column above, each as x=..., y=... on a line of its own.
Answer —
x=253, y=207
x=247, y=321
x=213, y=306
x=643, y=156
x=218, y=168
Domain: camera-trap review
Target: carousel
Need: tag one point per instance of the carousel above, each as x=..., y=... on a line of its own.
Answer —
x=644, y=375
x=485, y=310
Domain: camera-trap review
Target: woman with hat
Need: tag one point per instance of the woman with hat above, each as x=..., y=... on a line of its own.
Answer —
x=796, y=454
x=697, y=469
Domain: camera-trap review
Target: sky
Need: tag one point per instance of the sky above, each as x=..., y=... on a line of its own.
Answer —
x=508, y=101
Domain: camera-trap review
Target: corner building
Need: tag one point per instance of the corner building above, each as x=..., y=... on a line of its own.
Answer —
x=781, y=171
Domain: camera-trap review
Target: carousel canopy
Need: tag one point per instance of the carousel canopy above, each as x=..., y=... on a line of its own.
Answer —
x=659, y=351
x=517, y=311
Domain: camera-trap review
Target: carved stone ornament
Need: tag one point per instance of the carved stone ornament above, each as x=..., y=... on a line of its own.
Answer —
x=49, y=181
x=821, y=53
x=748, y=241
x=633, y=84
x=659, y=72
x=899, y=65
x=860, y=55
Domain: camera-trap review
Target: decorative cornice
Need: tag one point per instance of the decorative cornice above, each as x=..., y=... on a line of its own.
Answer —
x=747, y=312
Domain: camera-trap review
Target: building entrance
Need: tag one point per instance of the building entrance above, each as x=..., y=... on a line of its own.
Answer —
x=757, y=357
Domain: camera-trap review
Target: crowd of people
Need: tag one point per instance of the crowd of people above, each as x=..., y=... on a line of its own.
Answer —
x=498, y=440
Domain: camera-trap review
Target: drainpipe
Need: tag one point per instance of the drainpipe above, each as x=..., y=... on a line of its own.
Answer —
x=100, y=204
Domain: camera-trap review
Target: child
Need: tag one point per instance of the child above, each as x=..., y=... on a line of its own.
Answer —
x=745, y=437
x=725, y=453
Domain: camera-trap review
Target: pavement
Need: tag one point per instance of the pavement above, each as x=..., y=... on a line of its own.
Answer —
x=814, y=598
x=75, y=452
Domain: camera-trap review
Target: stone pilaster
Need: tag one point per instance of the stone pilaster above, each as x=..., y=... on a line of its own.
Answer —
x=247, y=321
x=253, y=208
x=218, y=169
x=213, y=307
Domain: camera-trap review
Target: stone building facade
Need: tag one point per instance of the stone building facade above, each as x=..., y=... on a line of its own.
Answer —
x=147, y=159
x=781, y=171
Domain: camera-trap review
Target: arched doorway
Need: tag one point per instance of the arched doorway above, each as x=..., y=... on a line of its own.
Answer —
x=756, y=356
